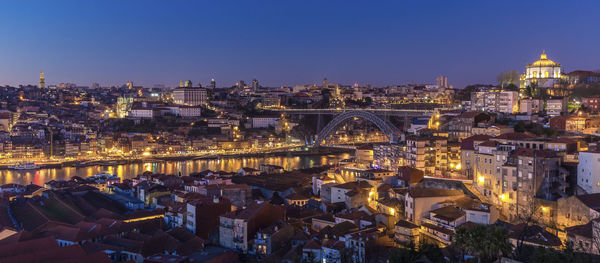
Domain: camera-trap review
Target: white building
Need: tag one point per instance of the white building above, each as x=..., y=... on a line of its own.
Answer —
x=507, y=102
x=190, y=96
x=530, y=106
x=190, y=111
x=556, y=105
x=546, y=73
x=141, y=113
x=588, y=171
x=495, y=101
x=264, y=121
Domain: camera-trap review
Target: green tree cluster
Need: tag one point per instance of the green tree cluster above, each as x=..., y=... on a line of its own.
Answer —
x=507, y=78
x=485, y=243
x=417, y=253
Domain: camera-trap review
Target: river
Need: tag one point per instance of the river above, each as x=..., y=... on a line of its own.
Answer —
x=128, y=171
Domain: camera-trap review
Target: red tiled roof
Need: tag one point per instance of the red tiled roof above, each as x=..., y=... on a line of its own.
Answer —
x=581, y=230
x=406, y=224
x=468, y=143
x=469, y=114
x=312, y=244
x=488, y=144
x=47, y=250
x=515, y=136
x=534, y=234
x=433, y=192
x=247, y=213
x=562, y=140
x=334, y=244
x=590, y=200
x=410, y=174
x=532, y=152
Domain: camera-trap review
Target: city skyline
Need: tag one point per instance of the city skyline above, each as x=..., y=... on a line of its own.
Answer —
x=380, y=44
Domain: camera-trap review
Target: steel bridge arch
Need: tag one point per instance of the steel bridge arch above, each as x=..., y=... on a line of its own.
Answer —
x=387, y=128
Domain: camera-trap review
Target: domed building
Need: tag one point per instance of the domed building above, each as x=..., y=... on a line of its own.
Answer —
x=545, y=72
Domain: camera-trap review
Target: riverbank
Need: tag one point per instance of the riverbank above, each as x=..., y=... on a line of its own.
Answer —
x=132, y=168
x=154, y=159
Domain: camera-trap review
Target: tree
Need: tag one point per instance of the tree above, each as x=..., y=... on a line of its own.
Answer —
x=527, y=214
x=465, y=94
x=414, y=253
x=520, y=126
x=486, y=243
x=547, y=255
x=508, y=77
x=531, y=90
x=511, y=87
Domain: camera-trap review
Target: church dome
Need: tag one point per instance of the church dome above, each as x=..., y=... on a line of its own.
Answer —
x=543, y=62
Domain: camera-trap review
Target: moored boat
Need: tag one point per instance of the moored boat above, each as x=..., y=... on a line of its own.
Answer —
x=24, y=166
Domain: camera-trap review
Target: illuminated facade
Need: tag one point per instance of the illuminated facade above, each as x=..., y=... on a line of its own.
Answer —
x=123, y=106
x=495, y=101
x=42, y=80
x=544, y=72
x=190, y=96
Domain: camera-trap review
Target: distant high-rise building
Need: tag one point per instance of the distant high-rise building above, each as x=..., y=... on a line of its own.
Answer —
x=42, y=80
x=324, y=86
x=254, y=84
x=95, y=85
x=442, y=81
x=213, y=84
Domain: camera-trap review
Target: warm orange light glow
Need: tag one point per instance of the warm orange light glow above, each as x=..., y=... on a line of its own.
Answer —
x=481, y=179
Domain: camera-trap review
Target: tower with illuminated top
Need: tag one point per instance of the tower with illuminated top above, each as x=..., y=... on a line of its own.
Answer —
x=42, y=80
x=544, y=72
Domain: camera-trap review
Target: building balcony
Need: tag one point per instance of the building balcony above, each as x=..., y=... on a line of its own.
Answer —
x=437, y=224
x=442, y=235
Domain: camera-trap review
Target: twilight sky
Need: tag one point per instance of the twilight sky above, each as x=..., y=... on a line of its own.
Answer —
x=290, y=42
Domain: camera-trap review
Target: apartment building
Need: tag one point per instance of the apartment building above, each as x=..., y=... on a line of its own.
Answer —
x=237, y=228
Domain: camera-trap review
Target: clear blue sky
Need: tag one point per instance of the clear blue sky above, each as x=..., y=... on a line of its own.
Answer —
x=290, y=42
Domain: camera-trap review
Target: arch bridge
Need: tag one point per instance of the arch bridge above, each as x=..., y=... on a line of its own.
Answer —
x=385, y=127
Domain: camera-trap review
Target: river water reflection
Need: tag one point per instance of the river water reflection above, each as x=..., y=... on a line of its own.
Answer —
x=128, y=171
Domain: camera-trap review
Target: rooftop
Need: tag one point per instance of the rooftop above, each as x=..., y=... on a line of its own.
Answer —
x=433, y=192
x=544, y=62
x=448, y=213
